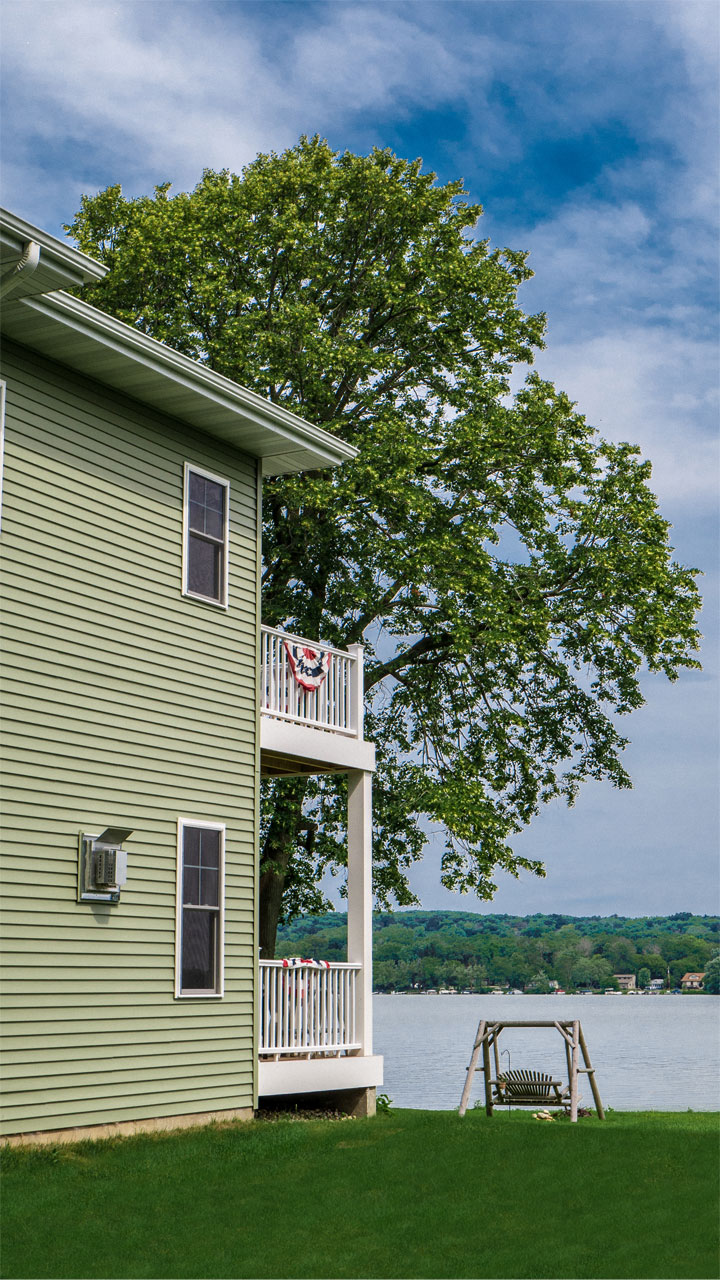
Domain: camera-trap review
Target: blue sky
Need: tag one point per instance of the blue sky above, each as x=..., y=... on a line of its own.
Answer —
x=588, y=130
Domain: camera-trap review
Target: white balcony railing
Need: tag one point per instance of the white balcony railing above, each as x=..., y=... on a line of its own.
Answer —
x=308, y=1009
x=335, y=706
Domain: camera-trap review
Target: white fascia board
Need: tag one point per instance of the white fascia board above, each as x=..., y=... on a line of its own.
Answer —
x=61, y=266
x=82, y=337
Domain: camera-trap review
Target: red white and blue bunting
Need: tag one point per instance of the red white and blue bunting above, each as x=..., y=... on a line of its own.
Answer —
x=309, y=666
x=297, y=962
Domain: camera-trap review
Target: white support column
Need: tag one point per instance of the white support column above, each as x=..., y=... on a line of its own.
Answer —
x=359, y=886
x=357, y=688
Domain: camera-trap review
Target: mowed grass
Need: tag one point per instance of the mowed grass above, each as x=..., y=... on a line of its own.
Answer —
x=413, y=1193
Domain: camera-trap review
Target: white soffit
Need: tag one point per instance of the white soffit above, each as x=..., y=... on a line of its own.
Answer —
x=81, y=337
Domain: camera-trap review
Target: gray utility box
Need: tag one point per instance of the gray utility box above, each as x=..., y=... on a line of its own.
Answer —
x=102, y=865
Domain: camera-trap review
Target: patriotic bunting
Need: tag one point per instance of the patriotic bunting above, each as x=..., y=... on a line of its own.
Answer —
x=309, y=666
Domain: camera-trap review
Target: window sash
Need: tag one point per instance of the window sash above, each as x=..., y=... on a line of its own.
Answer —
x=200, y=950
x=205, y=555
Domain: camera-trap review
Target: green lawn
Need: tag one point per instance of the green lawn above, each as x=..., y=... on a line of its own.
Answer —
x=413, y=1193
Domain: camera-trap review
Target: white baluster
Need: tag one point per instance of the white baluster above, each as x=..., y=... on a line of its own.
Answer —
x=314, y=1038
x=274, y=1008
x=264, y=1022
x=322, y=696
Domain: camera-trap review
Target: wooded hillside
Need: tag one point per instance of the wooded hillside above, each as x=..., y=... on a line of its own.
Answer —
x=466, y=951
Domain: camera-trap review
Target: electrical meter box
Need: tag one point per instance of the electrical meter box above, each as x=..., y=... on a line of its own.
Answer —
x=102, y=865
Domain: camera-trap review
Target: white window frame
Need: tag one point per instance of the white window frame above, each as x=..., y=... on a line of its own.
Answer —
x=207, y=475
x=220, y=992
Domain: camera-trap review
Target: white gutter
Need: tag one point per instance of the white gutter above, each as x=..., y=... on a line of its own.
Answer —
x=22, y=270
x=69, y=265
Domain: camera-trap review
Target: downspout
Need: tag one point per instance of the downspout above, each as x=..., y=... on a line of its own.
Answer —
x=23, y=269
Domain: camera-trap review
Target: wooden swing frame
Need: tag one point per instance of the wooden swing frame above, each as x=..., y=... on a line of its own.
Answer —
x=530, y=1088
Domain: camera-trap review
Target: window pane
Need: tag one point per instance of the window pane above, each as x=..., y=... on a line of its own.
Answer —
x=197, y=488
x=199, y=931
x=191, y=885
x=213, y=524
x=191, y=844
x=210, y=846
x=214, y=495
x=197, y=517
x=204, y=564
x=208, y=888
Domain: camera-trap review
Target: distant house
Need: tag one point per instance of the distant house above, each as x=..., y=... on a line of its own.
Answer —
x=625, y=981
x=656, y=984
x=692, y=981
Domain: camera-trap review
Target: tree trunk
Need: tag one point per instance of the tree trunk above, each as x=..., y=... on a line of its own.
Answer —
x=275, y=858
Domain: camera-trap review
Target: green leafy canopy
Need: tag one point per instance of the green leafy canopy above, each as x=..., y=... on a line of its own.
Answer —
x=507, y=569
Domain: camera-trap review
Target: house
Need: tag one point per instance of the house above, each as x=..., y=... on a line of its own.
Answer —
x=143, y=699
x=625, y=981
x=692, y=981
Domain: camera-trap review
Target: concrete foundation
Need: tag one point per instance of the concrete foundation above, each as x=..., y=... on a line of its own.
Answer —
x=125, y=1128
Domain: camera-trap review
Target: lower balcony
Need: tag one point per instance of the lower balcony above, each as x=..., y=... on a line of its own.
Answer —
x=315, y=1030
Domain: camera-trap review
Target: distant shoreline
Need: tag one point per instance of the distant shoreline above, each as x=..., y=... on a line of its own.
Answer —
x=462, y=951
x=548, y=994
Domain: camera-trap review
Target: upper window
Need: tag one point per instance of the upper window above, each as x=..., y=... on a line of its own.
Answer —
x=205, y=536
x=199, y=968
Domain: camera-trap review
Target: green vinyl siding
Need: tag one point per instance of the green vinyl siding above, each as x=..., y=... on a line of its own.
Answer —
x=127, y=704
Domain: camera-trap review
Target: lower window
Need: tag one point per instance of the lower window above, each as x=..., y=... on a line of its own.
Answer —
x=200, y=908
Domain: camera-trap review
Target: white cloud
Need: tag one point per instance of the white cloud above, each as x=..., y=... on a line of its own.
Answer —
x=174, y=93
x=629, y=336
x=366, y=55
x=695, y=26
x=170, y=88
x=175, y=87
x=624, y=260
x=649, y=386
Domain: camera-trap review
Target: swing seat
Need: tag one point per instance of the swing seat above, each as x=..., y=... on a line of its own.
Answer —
x=524, y=1088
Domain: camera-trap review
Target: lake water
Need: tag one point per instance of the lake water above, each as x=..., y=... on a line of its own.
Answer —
x=650, y=1053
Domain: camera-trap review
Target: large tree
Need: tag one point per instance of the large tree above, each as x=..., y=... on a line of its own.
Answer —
x=507, y=569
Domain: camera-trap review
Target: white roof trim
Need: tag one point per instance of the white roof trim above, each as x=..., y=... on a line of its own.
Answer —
x=66, y=329
x=72, y=332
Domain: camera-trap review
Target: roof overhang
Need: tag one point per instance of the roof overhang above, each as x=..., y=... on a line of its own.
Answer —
x=64, y=328
x=76, y=335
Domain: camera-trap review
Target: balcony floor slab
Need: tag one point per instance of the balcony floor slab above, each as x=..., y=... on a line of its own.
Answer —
x=319, y=1075
x=291, y=749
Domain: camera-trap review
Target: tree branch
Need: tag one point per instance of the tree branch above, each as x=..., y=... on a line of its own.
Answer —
x=408, y=657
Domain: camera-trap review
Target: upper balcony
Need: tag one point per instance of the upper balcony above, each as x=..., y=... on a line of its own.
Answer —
x=311, y=706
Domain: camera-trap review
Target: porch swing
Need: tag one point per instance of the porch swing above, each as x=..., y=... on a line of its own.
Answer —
x=524, y=1087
